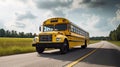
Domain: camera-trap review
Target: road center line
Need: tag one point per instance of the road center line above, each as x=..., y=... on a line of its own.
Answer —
x=83, y=57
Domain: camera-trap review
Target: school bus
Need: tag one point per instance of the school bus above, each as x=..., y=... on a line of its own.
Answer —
x=60, y=33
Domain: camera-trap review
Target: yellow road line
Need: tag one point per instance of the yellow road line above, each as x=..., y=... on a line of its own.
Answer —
x=78, y=60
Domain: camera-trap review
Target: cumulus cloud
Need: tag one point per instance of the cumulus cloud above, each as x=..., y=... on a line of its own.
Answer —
x=23, y=26
x=93, y=3
x=24, y=1
x=58, y=13
x=118, y=5
x=16, y=25
x=104, y=25
x=57, y=7
x=27, y=15
x=89, y=24
x=20, y=25
x=116, y=20
x=52, y=4
x=2, y=24
x=96, y=27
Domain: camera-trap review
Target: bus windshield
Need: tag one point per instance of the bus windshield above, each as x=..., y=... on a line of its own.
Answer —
x=61, y=27
x=48, y=28
x=58, y=27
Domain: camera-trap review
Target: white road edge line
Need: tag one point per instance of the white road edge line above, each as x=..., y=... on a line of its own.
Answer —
x=117, y=47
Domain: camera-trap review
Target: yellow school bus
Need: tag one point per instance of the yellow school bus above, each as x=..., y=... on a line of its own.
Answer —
x=60, y=33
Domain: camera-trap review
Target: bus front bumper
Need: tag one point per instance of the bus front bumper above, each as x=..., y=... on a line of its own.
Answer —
x=48, y=45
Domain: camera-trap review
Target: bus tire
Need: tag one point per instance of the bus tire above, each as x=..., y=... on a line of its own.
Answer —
x=65, y=48
x=85, y=45
x=39, y=49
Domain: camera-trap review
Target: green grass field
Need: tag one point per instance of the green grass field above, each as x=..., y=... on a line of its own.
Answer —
x=116, y=43
x=10, y=46
x=93, y=41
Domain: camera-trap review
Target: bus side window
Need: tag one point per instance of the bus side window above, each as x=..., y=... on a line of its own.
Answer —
x=80, y=31
x=72, y=28
x=75, y=30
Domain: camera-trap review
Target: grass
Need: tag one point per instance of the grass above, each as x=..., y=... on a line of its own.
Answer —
x=116, y=43
x=93, y=41
x=9, y=46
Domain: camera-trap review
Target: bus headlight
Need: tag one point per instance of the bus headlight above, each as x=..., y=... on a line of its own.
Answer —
x=58, y=39
x=35, y=39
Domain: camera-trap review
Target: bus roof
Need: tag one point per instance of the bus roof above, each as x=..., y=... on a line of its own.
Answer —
x=57, y=20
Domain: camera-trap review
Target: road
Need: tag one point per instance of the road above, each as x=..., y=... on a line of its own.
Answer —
x=101, y=54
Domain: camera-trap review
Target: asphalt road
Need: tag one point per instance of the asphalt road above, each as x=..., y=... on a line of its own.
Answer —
x=102, y=54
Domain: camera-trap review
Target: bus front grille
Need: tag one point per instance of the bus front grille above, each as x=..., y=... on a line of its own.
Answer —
x=45, y=37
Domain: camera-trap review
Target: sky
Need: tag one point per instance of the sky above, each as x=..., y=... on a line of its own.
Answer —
x=98, y=17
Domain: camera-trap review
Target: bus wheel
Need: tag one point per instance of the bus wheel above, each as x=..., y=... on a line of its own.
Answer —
x=65, y=48
x=39, y=49
x=85, y=45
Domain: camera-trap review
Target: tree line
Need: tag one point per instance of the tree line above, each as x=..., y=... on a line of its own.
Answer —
x=115, y=34
x=13, y=33
x=99, y=38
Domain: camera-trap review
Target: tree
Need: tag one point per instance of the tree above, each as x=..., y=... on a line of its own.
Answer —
x=115, y=35
x=14, y=33
x=7, y=33
x=118, y=33
x=21, y=34
x=2, y=32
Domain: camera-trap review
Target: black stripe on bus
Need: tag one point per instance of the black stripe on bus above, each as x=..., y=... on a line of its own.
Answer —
x=75, y=41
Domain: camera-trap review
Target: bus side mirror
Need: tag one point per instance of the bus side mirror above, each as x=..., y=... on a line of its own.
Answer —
x=40, y=28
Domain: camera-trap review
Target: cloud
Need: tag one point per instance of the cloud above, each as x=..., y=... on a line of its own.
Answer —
x=58, y=13
x=95, y=25
x=23, y=26
x=88, y=23
x=52, y=4
x=27, y=15
x=93, y=3
x=24, y=1
x=2, y=24
x=85, y=1
x=91, y=22
x=15, y=24
x=118, y=5
x=20, y=25
x=104, y=25
x=116, y=20
x=57, y=7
